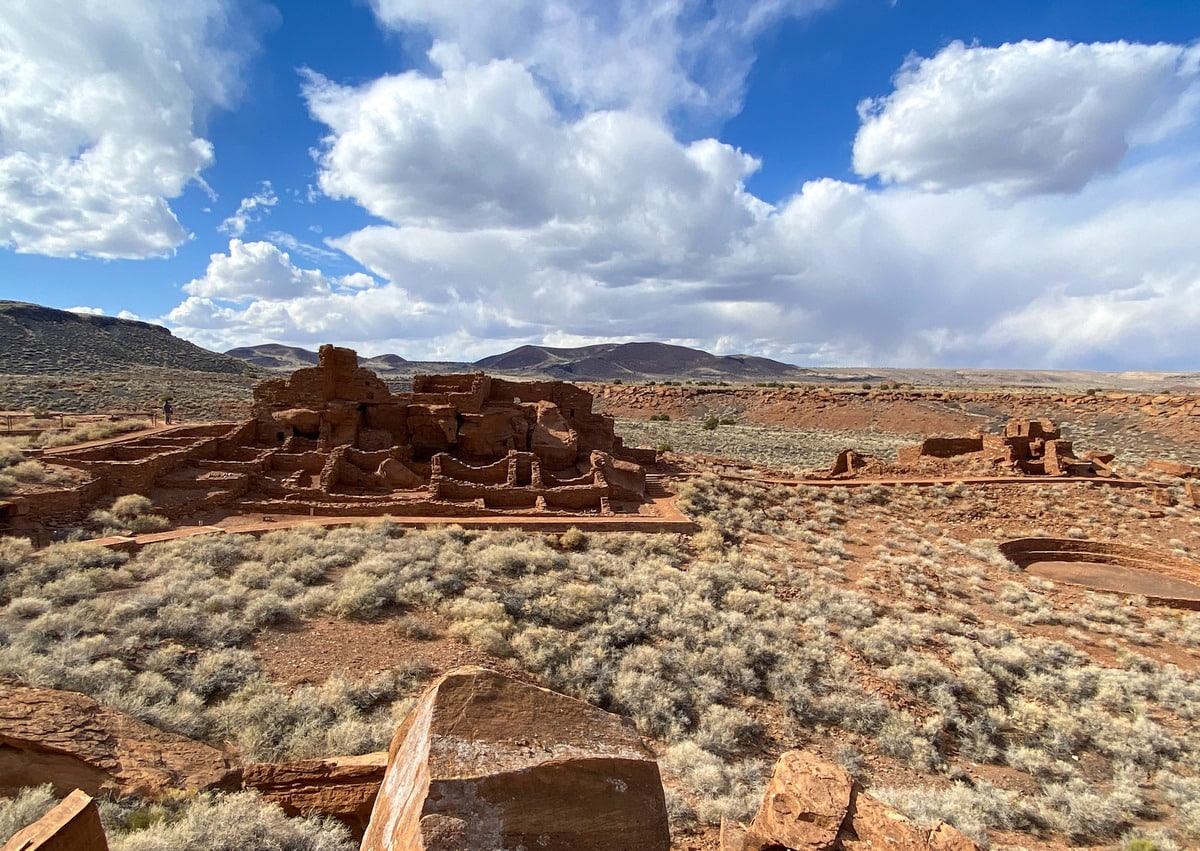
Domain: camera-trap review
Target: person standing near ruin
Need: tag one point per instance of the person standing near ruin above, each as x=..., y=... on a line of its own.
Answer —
x=168, y=411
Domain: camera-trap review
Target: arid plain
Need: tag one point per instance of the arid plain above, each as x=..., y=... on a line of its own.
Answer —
x=879, y=619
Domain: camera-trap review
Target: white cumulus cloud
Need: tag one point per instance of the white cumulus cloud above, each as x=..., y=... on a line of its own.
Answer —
x=98, y=109
x=251, y=209
x=512, y=213
x=255, y=270
x=647, y=55
x=1024, y=118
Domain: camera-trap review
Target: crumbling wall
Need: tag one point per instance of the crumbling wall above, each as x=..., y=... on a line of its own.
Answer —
x=940, y=447
x=466, y=392
x=334, y=433
x=337, y=375
x=626, y=482
x=498, y=473
x=1042, y=429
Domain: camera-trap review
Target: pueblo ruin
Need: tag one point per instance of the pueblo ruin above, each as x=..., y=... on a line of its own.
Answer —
x=334, y=440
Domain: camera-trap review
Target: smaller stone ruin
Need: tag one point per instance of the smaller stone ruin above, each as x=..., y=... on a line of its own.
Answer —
x=1029, y=447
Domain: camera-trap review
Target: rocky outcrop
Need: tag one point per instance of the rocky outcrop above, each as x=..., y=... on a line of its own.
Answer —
x=813, y=805
x=484, y=761
x=73, y=825
x=343, y=787
x=71, y=741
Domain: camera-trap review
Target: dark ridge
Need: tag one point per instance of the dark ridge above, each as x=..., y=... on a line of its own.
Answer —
x=37, y=340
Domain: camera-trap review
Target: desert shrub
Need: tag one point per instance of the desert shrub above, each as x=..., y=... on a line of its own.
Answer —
x=338, y=716
x=719, y=789
x=221, y=672
x=131, y=505
x=13, y=552
x=84, y=432
x=573, y=540
x=37, y=473
x=27, y=572
x=414, y=627
x=132, y=512
x=726, y=731
x=238, y=822
x=11, y=453
x=1184, y=794
x=971, y=808
x=29, y=805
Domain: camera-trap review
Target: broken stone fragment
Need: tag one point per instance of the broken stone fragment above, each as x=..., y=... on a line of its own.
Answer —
x=71, y=741
x=805, y=803
x=484, y=761
x=343, y=787
x=73, y=825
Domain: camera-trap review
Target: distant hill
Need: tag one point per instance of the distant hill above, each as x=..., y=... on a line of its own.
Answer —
x=37, y=340
x=384, y=363
x=632, y=362
x=608, y=361
x=275, y=356
x=603, y=362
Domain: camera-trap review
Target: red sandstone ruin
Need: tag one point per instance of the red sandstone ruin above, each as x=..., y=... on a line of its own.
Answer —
x=1030, y=447
x=334, y=440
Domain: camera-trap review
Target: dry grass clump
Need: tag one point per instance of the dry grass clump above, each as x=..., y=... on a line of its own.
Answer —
x=169, y=648
x=26, y=807
x=218, y=822
x=131, y=512
x=88, y=431
x=16, y=469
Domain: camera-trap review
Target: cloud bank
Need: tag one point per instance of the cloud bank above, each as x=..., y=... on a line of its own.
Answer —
x=1025, y=118
x=98, y=110
x=554, y=172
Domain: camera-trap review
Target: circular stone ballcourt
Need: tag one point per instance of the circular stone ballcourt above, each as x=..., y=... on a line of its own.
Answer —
x=1116, y=568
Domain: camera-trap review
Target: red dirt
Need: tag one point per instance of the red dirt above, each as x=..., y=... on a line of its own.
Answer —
x=316, y=649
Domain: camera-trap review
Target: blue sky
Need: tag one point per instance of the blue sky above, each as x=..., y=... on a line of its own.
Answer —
x=863, y=182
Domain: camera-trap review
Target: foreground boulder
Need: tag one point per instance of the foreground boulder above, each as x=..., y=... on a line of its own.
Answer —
x=805, y=803
x=73, y=825
x=342, y=787
x=71, y=741
x=813, y=805
x=486, y=762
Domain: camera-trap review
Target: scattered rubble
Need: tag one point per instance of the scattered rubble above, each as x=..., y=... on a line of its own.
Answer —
x=341, y=787
x=813, y=805
x=1172, y=468
x=1030, y=447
